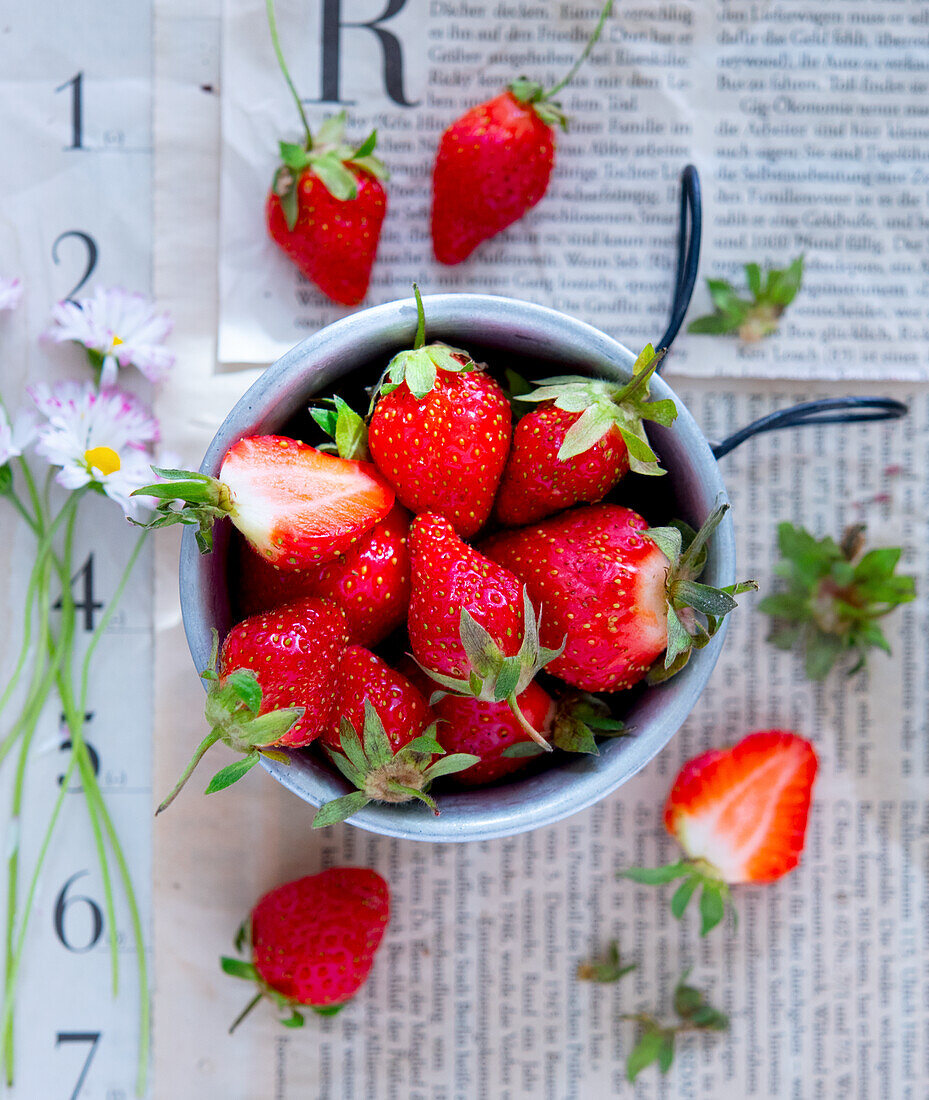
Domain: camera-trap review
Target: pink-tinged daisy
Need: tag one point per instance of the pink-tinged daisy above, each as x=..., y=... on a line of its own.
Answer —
x=118, y=329
x=16, y=437
x=11, y=292
x=101, y=438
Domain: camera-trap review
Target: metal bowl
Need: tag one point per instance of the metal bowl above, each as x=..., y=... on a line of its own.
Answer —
x=504, y=331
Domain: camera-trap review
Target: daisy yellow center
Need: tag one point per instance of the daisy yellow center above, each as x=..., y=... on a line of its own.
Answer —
x=117, y=341
x=104, y=459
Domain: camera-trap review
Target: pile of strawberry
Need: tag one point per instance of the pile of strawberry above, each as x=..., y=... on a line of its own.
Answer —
x=491, y=545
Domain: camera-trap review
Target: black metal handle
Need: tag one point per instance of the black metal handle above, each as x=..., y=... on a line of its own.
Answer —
x=688, y=254
x=826, y=411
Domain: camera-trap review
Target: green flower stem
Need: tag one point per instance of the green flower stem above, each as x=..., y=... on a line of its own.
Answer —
x=24, y=731
x=272, y=27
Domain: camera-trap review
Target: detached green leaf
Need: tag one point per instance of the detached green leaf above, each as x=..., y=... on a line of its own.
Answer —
x=655, y=876
x=646, y=1051
x=712, y=906
x=756, y=316
x=239, y=968
x=610, y=969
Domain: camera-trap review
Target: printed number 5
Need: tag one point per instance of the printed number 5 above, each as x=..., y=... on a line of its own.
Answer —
x=92, y=1037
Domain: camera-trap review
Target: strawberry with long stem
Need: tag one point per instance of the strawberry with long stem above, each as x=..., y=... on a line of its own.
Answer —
x=494, y=163
x=326, y=204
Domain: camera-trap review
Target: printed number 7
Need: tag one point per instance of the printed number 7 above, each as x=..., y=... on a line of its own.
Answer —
x=92, y=1037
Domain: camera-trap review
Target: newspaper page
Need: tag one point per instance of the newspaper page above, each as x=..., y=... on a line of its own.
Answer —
x=808, y=123
x=473, y=993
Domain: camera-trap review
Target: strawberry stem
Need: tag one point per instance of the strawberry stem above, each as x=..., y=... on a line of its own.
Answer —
x=420, y=339
x=530, y=730
x=254, y=1001
x=272, y=26
x=207, y=743
x=591, y=42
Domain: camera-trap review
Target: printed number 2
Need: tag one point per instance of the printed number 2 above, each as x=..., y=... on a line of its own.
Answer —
x=90, y=244
x=92, y=1037
x=77, y=109
x=61, y=905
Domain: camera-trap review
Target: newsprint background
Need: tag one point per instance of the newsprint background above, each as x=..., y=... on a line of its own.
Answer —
x=473, y=995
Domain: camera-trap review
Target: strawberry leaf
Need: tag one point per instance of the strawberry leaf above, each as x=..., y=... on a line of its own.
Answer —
x=682, y=895
x=610, y=969
x=712, y=906
x=523, y=748
x=340, y=809
x=334, y=176
x=238, y=968
x=447, y=765
x=655, y=876
x=232, y=773
x=758, y=315
x=646, y=1051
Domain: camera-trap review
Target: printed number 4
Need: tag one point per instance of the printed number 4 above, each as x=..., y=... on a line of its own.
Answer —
x=88, y=604
x=92, y=1037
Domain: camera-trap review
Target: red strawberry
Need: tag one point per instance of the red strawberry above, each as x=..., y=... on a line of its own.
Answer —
x=740, y=814
x=471, y=625
x=619, y=593
x=579, y=442
x=494, y=163
x=312, y=942
x=296, y=506
x=440, y=432
x=275, y=685
x=370, y=581
x=491, y=731
x=381, y=736
x=326, y=204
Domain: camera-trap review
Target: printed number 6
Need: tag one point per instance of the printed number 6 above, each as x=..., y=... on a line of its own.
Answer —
x=61, y=904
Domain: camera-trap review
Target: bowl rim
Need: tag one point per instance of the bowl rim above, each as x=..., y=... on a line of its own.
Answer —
x=476, y=317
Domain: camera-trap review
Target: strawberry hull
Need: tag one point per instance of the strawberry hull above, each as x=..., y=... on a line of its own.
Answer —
x=532, y=340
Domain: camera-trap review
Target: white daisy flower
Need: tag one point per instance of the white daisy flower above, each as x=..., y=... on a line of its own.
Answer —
x=16, y=437
x=101, y=438
x=119, y=329
x=11, y=292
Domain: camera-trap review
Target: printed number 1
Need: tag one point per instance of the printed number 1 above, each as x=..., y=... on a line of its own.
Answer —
x=77, y=109
x=92, y=1037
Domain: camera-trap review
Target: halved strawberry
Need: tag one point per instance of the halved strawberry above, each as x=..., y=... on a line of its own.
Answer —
x=294, y=504
x=740, y=814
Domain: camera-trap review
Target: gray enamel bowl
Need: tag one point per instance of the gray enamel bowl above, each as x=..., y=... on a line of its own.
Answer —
x=503, y=331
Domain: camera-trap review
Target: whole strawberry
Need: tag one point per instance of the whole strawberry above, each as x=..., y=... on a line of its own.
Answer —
x=471, y=625
x=494, y=163
x=370, y=581
x=618, y=593
x=492, y=732
x=740, y=814
x=440, y=432
x=296, y=505
x=273, y=686
x=311, y=943
x=582, y=439
x=381, y=736
x=326, y=204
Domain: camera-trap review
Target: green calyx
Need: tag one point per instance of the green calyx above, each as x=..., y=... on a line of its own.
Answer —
x=715, y=895
x=604, y=405
x=695, y=611
x=347, y=429
x=288, y=1010
x=835, y=593
x=203, y=500
x=419, y=366
x=334, y=162
x=232, y=712
x=656, y=1040
x=755, y=317
x=494, y=677
x=370, y=764
x=579, y=720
